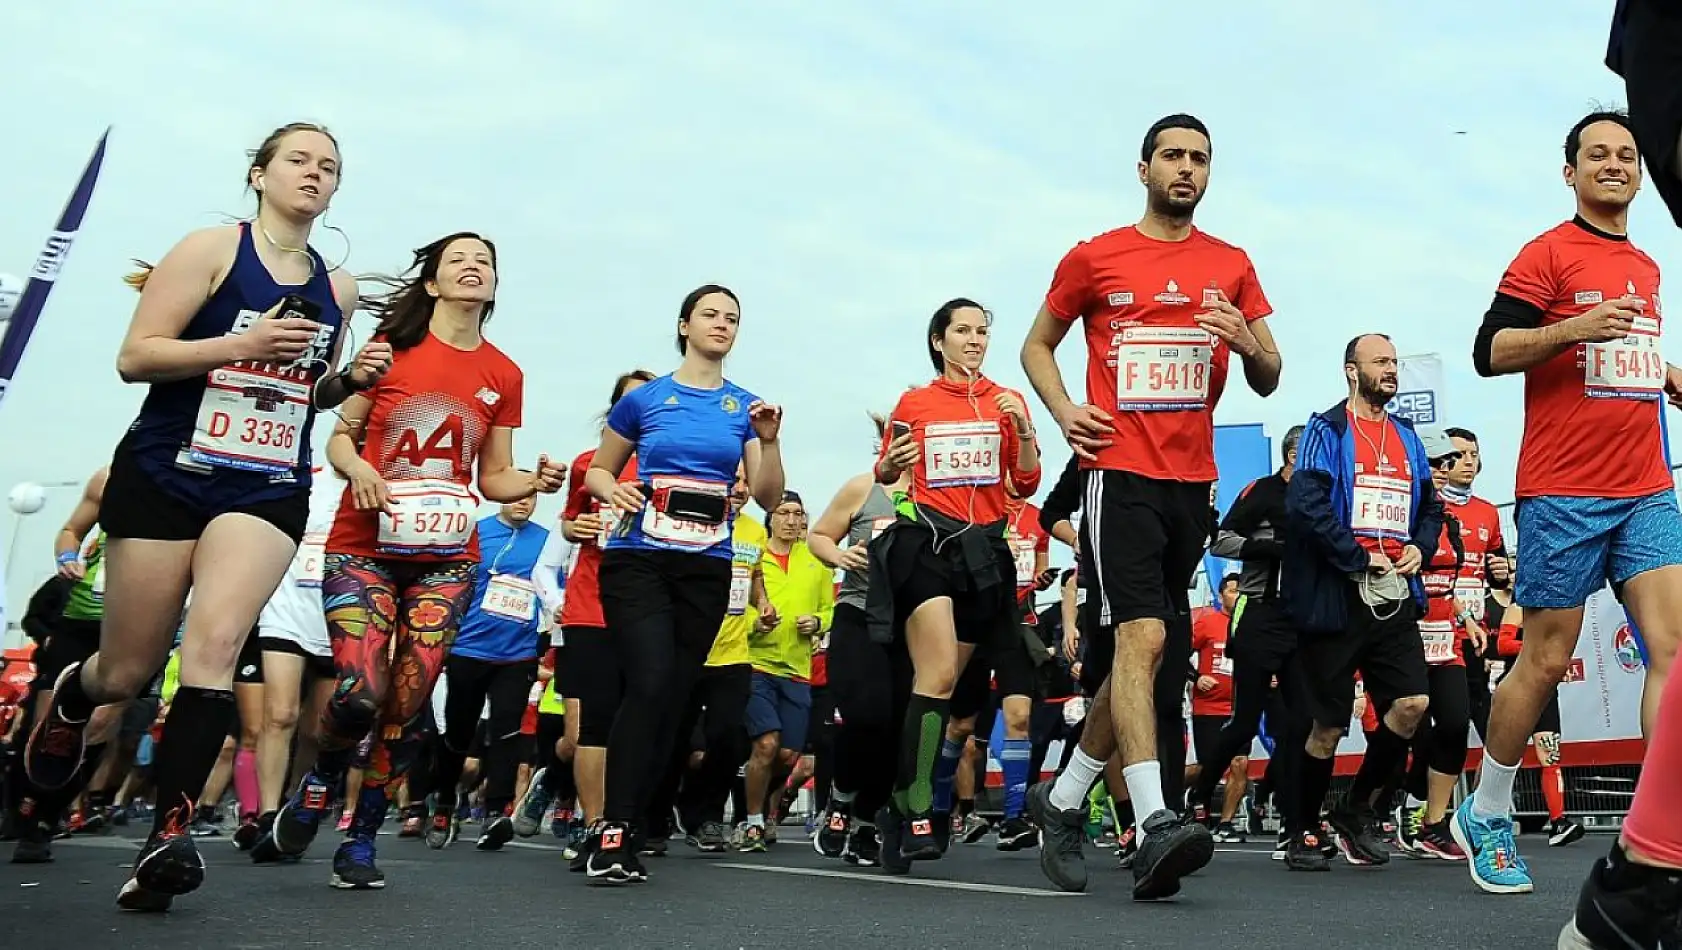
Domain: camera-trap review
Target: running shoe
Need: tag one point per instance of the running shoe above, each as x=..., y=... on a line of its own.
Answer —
x=206, y=824
x=1283, y=846
x=1408, y=822
x=612, y=856
x=56, y=745
x=1016, y=834
x=1435, y=840
x=1171, y=849
x=1126, y=848
x=864, y=847
x=1493, y=858
x=34, y=842
x=414, y=823
x=1306, y=852
x=578, y=863
x=495, y=833
x=831, y=837
x=169, y=865
x=354, y=868
x=442, y=831
x=247, y=834
x=973, y=828
x=710, y=839
x=1226, y=833
x=300, y=817
x=532, y=808
x=1356, y=836
x=890, y=828
x=1643, y=914
x=1564, y=831
x=921, y=839
x=753, y=840
x=1061, y=835
x=345, y=818
x=654, y=847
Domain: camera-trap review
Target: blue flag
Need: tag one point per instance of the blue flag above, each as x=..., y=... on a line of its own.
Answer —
x=1243, y=453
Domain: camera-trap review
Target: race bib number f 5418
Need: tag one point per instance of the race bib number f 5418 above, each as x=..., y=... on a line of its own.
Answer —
x=1163, y=369
x=511, y=598
x=430, y=516
x=1630, y=368
x=252, y=419
x=961, y=453
x=1382, y=507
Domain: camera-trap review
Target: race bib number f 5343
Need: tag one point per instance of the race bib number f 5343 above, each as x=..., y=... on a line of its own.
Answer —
x=430, y=516
x=250, y=418
x=961, y=453
x=511, y=598
x=1163, y=369
x=1630, y=368
x=1383, y=506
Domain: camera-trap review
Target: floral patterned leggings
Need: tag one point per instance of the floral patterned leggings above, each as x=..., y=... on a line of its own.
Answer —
x=391, y=623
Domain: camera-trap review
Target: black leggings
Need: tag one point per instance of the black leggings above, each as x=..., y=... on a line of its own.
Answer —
x=719, y=705
x=1045, y=725
x=871, y=685
x=1169, y=700
x=1441, y=748
x=470, y=683
x=664, y=608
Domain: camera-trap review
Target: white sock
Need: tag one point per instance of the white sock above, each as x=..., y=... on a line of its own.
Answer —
x=1070, y=790
x=1494, y=795
x=756, y=821
x=1414, y=802
x=1144, y=786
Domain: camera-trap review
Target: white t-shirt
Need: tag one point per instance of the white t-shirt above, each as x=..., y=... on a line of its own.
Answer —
x=294, y=612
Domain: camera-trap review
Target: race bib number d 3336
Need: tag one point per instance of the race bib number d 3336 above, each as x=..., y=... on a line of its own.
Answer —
x=429, y=516
x=1163, y=369
x=250, y=418
x=961, y=453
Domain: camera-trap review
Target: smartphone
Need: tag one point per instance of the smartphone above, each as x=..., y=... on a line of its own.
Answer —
x=900, y=430
x=686, y=504
x=296, y=306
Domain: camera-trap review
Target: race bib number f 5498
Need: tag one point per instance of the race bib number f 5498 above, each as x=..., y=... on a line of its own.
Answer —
x=511, y=598
x=430, y=516
x=1383, y=506
x=252, y=419
x=1163, y=369
x=961, y=453
x=1630, y=368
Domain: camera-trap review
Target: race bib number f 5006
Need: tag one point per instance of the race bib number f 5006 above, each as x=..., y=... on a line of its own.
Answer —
x=1383, y=507
x=429, y=516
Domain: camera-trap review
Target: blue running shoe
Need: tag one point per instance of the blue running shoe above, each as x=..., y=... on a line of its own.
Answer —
x=1491, y=853
x=353, y=866
x=301, y=816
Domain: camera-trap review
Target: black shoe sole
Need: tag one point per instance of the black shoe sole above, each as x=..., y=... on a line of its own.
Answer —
x=170, y=875
x=1190, y=854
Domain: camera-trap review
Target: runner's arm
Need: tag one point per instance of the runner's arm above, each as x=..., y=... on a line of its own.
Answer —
x=610, y=458
x=826, y=534
x=341, y=445
x=764, y=463
x=499, y=480
x=546, y=576
x=1039, y=360
x=82, y=518
x=1262, y=369
x=1061, y=504
x=1512, y=338
x=334, y=389
x=153, y=351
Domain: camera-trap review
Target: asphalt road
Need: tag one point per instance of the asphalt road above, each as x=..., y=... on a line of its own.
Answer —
x=789, y=898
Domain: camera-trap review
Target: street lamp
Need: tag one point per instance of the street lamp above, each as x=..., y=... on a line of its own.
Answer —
x=26, y=498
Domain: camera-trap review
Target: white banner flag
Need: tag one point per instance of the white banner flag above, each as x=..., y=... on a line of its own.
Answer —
x=1419, y=389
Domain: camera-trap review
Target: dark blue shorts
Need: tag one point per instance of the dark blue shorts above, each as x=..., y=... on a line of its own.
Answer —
x=781, y=705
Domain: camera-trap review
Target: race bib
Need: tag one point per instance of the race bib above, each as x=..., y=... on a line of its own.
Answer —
x=1383, y=506
x=431, y=516
x=961, y=453
x=1440, y=638
x=610, y=522
x=1630, y=368
x=1163, y=369
x=511, y=598
x=741, y=585
x=98, y=586
x=1468, y=597
x=311, y=558
x=880, y=525
x=251, y=418
x=1024, y=551
x=1437, y=583
x=1222, y=663
x=684, y=535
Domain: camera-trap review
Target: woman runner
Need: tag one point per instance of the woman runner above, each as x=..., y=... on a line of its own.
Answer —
x=236, y=335
x=943, y=575
x=666, y=574
x=401, y=555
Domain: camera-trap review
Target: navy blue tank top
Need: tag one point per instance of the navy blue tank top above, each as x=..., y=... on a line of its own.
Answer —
x=241, y=433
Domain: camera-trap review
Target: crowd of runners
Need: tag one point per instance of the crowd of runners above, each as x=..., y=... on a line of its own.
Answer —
x=229, y=612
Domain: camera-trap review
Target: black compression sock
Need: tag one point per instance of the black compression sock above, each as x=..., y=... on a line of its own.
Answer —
x=72, y=701
x=198, y=723
x=922, y=733
x=1311, y=792
x=1386, y=755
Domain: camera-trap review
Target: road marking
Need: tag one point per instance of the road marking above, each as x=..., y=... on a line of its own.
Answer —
x=914, y=882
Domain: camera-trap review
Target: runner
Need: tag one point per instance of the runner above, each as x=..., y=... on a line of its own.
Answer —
x=1211, y=707
x=1165, y=306
x=297, y=667
x=1366, y=521
x=943, y=574
x=588, y=673
x=236, y=336
x=666, y=573
x=401, y=554
x=862, y=672
x=1577, y=313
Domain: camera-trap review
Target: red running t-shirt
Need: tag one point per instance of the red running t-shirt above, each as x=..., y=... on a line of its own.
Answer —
x=1591, y=414
x=1027, y=539
x=1148, y=363
x=1209, y=628
x=969, y=448
x=1480, y=532
x=1380, y=513
x=430, y=417
x=581, y=605
x=1440, y=628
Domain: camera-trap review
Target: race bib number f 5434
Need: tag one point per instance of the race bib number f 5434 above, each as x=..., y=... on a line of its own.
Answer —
x=1383, y=506
x=250, y=418
x=1163, y=369
x=1630, y=368
x=672, y=532
x=511, y=598
x=961, y=453
x=430, y=516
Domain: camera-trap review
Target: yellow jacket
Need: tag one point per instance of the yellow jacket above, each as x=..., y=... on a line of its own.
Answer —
x=805, y=587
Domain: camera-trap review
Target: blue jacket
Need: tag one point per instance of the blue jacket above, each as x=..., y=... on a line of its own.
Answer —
x=1320, y=547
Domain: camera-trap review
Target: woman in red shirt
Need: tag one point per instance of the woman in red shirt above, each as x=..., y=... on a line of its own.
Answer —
x=401, y=554
x=943, y=576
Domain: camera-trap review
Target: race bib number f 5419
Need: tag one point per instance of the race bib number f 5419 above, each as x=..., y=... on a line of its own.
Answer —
x=1630, y=368
x=1440, y=638
x=1163, y=369
x=961, y=453
x=250, y=418
x=1382, y=507
x=511, y=598
x=429, y=516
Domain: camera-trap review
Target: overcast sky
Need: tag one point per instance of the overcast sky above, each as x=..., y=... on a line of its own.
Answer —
x=845, y=168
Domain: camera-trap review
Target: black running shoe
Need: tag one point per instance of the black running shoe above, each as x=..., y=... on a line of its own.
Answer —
x=864, y=848
x=1306, y=852
x=1355, y=836
x=831, y=838
x=248, y=833
x=1645, y=915
x=922, y=838
x=611, y=859
x=1017, y=833
x=1061, y=834
x=1171, y=849
x=592, y=840
x=1563, y=831
x=495, y=833
x=300, y=817
x=890, y=826
x=710, y=838
x=34, y=843
x=169, y=866
x=56, y=745
x=354, y=868
x=264, y=851
x=442, y=831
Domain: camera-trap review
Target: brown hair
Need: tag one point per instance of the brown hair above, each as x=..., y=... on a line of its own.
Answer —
x=259, y=157
x=405, y=310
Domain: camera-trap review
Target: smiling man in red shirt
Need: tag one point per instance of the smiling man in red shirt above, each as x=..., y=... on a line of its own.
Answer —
x=1164, y=306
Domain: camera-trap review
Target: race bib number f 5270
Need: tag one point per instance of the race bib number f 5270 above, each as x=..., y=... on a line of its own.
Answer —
x=961, y=453
x=429, y=516
x=1630, y=368
x=1163, y=369
x=250, y=418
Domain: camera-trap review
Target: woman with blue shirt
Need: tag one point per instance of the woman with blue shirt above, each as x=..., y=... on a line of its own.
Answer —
x=494, y=657
x=666, y=573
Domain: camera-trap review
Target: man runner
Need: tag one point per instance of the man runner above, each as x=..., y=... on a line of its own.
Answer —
x=1164, y=307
